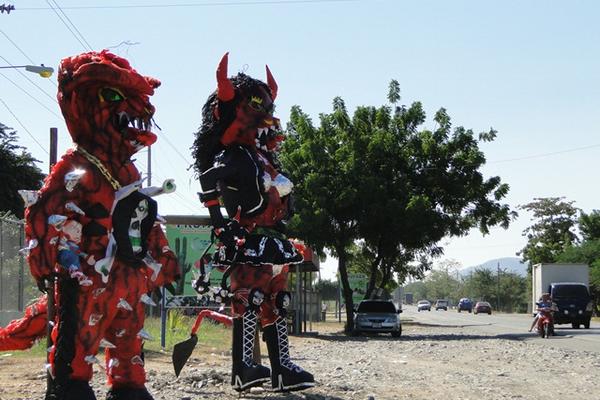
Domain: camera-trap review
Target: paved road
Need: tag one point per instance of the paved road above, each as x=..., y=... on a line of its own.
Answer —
x=513, y=325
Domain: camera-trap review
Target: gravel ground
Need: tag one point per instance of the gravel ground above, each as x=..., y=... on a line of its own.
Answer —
x=425, y=363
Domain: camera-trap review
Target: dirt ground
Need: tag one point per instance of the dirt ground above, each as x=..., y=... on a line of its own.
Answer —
x=425, y=363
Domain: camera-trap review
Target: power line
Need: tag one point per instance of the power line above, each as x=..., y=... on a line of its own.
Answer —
x=23, y=126
x=72, y=24
x=18, y=48
x=30, y=95
x=31, y=81
x=68, y=27
x=164, y=137
x=206, y=4
x=546, y=154
x=186, y=202
x=22, y=52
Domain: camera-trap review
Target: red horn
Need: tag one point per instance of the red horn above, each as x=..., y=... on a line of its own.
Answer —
x=272, y=84
x=225, y=90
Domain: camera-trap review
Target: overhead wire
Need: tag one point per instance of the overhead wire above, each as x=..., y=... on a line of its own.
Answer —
x=204, y=4
x=31, y=81
x=30, y=95
x=18, y=48
x=186, y=202
x=545, y=154
x=81, y=40
x=22, y=52
x=24, y=127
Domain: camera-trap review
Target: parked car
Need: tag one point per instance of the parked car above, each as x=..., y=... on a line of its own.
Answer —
x=482, y=307
x=377, y=316
x=441, y=305
x=465, y=304
x=423, y=305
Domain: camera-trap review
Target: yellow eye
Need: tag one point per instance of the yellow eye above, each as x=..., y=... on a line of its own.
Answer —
x=112, y=95
x=256, y=103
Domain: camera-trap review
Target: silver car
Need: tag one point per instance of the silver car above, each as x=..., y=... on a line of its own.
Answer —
x=377, y=316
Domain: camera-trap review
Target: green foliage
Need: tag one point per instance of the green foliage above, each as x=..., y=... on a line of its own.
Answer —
x=328, y=289
x=210, y=334
x=377, y=178
x=507, y=288
x=589, y=225
x=552, y=232
x=17, y=171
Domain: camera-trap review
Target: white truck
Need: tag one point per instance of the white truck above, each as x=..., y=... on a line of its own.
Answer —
x=568, y=285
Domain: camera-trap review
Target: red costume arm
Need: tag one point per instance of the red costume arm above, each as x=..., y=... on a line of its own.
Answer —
x=158, y=246
x=42, y=255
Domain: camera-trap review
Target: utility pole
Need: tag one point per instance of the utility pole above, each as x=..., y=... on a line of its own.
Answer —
x=498, y=290
x=149, y=170
x=51, y=282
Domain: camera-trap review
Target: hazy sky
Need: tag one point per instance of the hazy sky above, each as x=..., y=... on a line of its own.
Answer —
x=527, y=69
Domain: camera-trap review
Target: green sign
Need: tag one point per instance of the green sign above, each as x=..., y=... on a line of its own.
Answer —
x=189, y=243
x=358, y=284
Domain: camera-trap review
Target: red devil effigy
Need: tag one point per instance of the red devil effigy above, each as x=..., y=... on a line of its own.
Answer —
x=93, y=230
x=235, y=156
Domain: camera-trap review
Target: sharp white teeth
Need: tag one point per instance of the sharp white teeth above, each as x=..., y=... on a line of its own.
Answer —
x=124, y=119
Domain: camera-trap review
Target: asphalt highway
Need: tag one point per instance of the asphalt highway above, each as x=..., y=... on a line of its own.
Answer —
x=508, y=325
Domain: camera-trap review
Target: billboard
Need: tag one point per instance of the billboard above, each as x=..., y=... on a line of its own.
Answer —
x=189, y=242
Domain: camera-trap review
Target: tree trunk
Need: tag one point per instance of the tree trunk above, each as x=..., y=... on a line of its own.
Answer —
x=387, y=275
x=346, y=291
x=372, y=278
x=373, y=272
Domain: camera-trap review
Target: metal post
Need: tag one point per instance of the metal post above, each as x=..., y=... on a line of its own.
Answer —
x=21, y=295
x=149, y=170
x=1, y=263
x=163, y=318
x=304, y=295
x=298, y=301
x=50, y=283
x=498, y=290
x=311, y=300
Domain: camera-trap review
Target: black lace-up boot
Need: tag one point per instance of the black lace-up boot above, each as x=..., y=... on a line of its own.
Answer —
x=245, y=373
x=285, y=375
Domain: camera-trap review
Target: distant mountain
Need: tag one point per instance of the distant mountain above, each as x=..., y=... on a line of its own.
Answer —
x=509, y=264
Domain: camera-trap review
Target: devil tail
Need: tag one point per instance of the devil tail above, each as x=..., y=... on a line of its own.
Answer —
x=21, y=334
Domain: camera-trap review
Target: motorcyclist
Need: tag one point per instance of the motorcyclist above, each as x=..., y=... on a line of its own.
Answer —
x=544, y=302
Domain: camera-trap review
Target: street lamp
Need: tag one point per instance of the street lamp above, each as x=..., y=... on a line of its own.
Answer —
x=41, y=70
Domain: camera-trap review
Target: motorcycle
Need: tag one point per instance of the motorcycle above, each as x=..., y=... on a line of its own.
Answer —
x=545, y=322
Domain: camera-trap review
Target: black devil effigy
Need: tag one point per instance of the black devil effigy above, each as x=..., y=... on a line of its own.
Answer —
x=236, y=158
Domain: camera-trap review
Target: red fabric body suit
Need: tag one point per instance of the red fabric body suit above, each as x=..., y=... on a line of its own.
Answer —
x=235, y=153
x=106, y=106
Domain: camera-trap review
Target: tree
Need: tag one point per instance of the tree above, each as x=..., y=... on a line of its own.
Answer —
x=17, y=171
x=589, y=225
x=328, y=289
x=552, y=231
x=442, y=284
x=376, y=178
